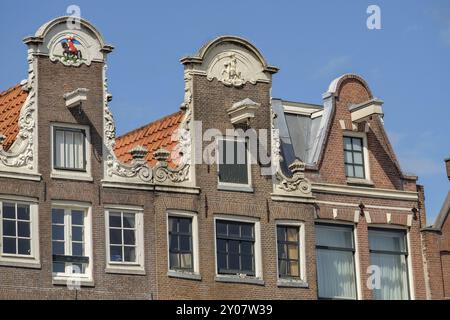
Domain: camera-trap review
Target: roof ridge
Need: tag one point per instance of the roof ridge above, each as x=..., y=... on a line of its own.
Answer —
x=9, y=90
x=150, y=124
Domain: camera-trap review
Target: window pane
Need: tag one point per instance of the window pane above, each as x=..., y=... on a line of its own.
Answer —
x=281, y=233
x=357, y=144
x=77, y=249
x=247, y=231
x=77, y=217
x=185, y=225
x=57, y=232
x=246, y=248
x=173, y=223
x=294, y=270
x=129, y=237
x=115, y=219
x=233, y=247
x=349, y=172
x=221, y=228
x=77, y=233
x=186, y=261
x=292, y=234
x=233, y=166
x=58, y=247
x=79, y=150
x=59, y=160
x=24, y=247
x=23, y=229
x=348, y=157
x=222, y=261
x=115, y=253
x=9, y=210
x=293, y=252
x=69, y=150
x=59, y=267
x=9, y=228
x=283, y=268
x=387, y=240
x=115, y=236
x=282, y=251
x=185, y=243
x=9, y=245
x=174, y=259
x=247, y=263
x=347, y=143
x=128, y=220
x=394, y=281
x=233, y=260
x=130, y=254
x=233, y=229
x=357, y=158
x=58, y=216
x=359, y=172
x=173, y=243
x=336, y=274
x=221, y=245
x=334, y=236
x=23, y=212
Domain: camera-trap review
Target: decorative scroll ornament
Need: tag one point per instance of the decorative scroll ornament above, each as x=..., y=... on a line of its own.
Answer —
x=297, y=182
x=139, y=168
x=21, y=153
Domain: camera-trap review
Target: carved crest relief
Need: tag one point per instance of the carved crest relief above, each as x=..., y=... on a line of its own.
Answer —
x=70, y=49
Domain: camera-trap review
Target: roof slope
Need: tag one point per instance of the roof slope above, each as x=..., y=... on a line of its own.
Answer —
x=152, y=136
x=11, y=102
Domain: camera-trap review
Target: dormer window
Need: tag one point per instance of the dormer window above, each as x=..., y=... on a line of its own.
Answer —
x=71, y=152
x=354, y=157
x=234, y=164
x=69, y=149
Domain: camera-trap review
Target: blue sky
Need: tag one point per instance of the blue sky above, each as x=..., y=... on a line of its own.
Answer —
x=406, y=63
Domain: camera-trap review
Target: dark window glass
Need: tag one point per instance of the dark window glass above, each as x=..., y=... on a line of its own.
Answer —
x=235, y=247
x=288, y=251
x=233, y=162
x=354, y=157
x=16, y=228
x=122, y=237
x=180, y=244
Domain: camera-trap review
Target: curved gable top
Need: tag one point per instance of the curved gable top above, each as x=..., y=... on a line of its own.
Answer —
x=335, y=85
x=69, y=43
x=231, y=60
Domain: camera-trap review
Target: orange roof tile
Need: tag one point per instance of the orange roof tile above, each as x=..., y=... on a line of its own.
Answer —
x=152, y=136
x=11, y=102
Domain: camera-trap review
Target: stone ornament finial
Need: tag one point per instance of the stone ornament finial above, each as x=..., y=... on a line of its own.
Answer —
x=138, y=153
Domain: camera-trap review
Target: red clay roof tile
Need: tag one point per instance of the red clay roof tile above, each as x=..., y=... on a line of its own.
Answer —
x=11, y=102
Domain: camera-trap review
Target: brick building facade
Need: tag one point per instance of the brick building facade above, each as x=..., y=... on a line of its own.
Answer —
x=151, y=215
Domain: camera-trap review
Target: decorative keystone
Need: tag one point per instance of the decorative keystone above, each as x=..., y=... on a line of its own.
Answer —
x=138, y=153
x=162, y=155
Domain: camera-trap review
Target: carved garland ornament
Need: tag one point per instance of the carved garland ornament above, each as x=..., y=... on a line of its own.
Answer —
x=139, y=168
x=21, y=153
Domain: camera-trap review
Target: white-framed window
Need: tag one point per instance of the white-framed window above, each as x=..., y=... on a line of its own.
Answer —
x=182, y=240
x=336, y=265
x=19, y=233
x=291, y=256
x=124, y=239
x=238, y=247
x=70, y=151
x=389, y=254
x=234, y=164
x=71, y=241
x=356, y=156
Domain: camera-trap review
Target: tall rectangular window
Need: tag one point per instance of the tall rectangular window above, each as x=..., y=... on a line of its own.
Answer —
x=288, y=241
x=335, y=262
x=69, y=241
x=122, y=237
x=388, y=252
x=235, y=247
x=233, y=161
x=354, y=157
x=16, y=229
x=69, y=149
x=181, y=251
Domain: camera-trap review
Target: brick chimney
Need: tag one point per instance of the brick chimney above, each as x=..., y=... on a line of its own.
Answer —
x=447, y=165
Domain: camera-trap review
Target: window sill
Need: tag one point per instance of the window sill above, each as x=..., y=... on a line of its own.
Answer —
x=184, y=275
x=79, y=176
x=72, y=281
x=130, y=270
x=360, y=182
x=237, y=279
x=287, y=283
x=235, y=187
x=20, y=263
